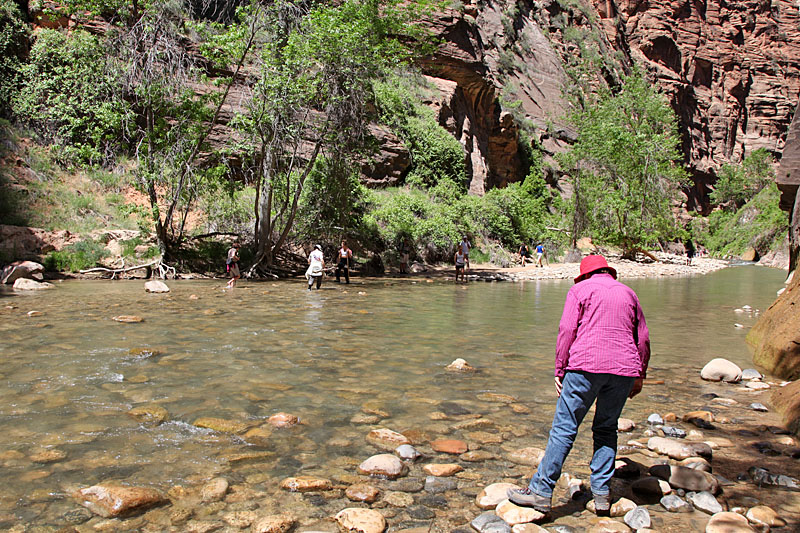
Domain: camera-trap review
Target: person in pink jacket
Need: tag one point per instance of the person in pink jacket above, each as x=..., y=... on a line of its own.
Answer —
x=602, y=353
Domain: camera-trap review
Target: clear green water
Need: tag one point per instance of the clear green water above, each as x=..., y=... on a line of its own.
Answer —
x=70, y=378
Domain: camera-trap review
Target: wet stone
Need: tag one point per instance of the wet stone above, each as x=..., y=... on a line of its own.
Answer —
x=273, y=524
x=674, y=504
x=531, y=456
x=442, y=470
x=756, y=406
x=149, y=415
x=398, y=499
x=436, y=485
x=436, y=501
x=408, y=485
x=670, y=431
x=750, y=374
x=720, y=369
x=705, y=501
x=637, y=518
x=419, y=512
x=476, y=456
x=239, y=519
x=306, y=484
x=282, y=420
x=450, y=446
x=77, y=516
x=625, y=424
x=386, y=439
x=453, y=409
x=221, y=425
x=111, y=501
x=563, y=529
x=407, y=452
x=528, y=528
x=727, y=522
x=214, y=490
x=490, y=523
x=48, y=456
x=362, y=492
x=384, y=464
x=655, y=419
x=514, y=514
x=493, y=494
x=686, y=478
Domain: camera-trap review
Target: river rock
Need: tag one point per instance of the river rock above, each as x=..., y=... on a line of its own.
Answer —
x=760, y=407
x=618, y=508
x=307, y=484
x=282, y=420
x=260, y=436
x=460, y=365
x=21, y=269
x=476, y=456
x=214, y=490
x=706, y=416
x=655, y=419
x=670, y=418
x=360, y=520
x=25, y=284
x=625, y=425
x=757, y=385
x=680, y=477
x=762, y=476
x=514, y=514
x=149, y=415
x=280, y=523
x=221, y=425
x=112, y=501
x=606, y=525
x=52, y=455
x=407, y=452
x=442, y=470
x=386, y=439
x=677, y=449
x=696, y=463
x=436, y=485
x=675, y=504
x=705, y=501
x=651, y=485
x=720, y=369
x=728, y=522
x=155, y=286
x=637, y=518
x=128, y=319
x=384, y=465
x=362, y=492
x=240, y=519
x=451, y=446
x=490, y=523
x=531, y=456
x=763, y=515
x=673, y=432
x=751, y=374
x=491, y=495
x=495, y=397
x=528, y=528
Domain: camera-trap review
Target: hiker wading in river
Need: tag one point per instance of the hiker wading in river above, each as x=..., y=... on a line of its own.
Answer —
x=602, y=353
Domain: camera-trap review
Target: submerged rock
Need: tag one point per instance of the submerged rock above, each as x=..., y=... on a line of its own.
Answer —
x=362, y=492
x=129, y=319
x=360, y=520
x=385, y=464
x=112, y=501
x=451, y=446
x=460, y=365
x=386, y=439
x=214, y=490
x=282, y=420
x=306, y=484
x=149, y=415
x=280, y=523
x=407, y=452
x=681, y=477
x=677, y=449
x=221, y=425
x=442, y=470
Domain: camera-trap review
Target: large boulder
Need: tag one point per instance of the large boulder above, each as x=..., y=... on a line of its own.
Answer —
x=720, y=369
x=684, y=478
x=25, y=284
x=775, y=338
x=786, y=400
x=155, y=286
x=21, y=269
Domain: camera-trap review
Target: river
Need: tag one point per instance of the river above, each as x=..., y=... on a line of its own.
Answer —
x=339, y=359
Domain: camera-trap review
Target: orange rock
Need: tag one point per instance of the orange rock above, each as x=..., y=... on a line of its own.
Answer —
x=442, y=470
x=112, y=501
x=282, y=420
x=306, y=484
x=449, y=446
x=362, y=492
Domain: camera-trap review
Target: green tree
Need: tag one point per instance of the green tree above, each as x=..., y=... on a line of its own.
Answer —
x=737, y=184
x=625, y=167
x=13, y=49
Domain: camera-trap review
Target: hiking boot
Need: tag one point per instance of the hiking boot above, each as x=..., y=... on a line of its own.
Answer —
x=602, y=504
x=526, y=498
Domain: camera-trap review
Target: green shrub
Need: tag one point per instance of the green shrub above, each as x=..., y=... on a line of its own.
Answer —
x=737, y=184
x=13, y=49
x=758, y=224
x=68, y=97
x=75, y=257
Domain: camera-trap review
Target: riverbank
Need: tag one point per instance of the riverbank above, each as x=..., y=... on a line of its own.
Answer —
x=668, y=265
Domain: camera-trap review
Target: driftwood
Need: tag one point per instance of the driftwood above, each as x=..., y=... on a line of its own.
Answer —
x=163, y=269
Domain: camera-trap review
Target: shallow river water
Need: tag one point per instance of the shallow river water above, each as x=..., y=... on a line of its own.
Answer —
x=338, y=358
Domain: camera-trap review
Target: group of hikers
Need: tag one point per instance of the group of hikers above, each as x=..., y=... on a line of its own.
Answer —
x=316, y=261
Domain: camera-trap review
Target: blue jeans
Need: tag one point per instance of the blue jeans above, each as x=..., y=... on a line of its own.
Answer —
x=580, y=389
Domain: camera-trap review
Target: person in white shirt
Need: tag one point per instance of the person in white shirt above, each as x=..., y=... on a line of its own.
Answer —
x=316, y=267
x=462, y=262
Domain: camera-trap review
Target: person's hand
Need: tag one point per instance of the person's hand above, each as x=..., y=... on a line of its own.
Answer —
x=559, y=386
x=637, y=387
